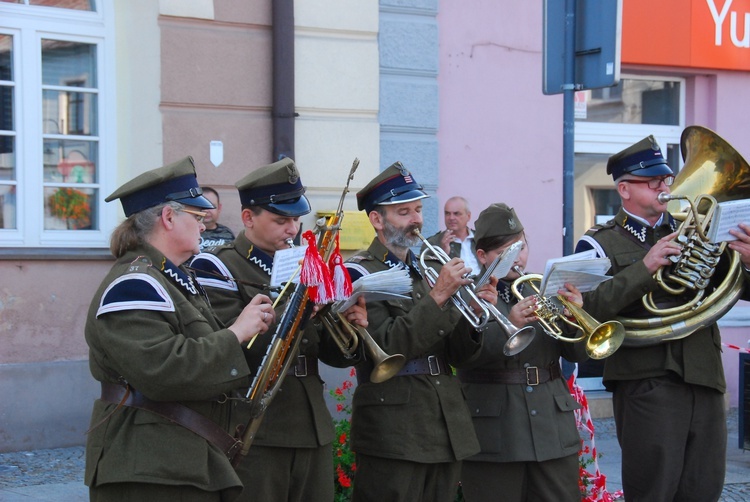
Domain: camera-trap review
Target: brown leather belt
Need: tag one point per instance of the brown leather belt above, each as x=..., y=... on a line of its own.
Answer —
x=174, y=412
x=305, y=366
x=430, y=365
x=531, y=375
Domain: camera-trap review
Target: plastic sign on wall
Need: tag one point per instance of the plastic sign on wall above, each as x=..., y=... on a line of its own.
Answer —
x=688, y=33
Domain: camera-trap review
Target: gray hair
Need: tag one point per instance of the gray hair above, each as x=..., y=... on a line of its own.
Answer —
x=135, y=230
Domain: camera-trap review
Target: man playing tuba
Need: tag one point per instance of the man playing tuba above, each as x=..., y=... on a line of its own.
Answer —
x=668, y=396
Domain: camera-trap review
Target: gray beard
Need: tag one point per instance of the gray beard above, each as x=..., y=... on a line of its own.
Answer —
x=398, y=238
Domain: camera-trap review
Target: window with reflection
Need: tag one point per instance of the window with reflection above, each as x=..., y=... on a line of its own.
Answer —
x=69, y=117
x=8, y=177
x=51, y=101
x=634, y=101
x=61, y=4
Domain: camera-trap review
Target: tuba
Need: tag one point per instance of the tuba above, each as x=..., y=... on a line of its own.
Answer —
x=602, y=339
x=708, y=274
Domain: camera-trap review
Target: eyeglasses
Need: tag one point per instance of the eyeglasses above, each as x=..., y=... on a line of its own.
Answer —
x=199, y=215
x=654, y=183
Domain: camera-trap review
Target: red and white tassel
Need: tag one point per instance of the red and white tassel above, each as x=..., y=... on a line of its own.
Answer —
x=315, y=274
x=342, y=283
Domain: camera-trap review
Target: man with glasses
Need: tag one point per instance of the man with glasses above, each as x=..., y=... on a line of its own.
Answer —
x=668, y=397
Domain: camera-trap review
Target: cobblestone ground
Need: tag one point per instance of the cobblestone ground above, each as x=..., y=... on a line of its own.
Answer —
x=65, y=465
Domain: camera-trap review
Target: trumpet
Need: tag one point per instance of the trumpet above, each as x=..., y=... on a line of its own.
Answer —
x=518, y=339
x=602, y=339
x=348, y=336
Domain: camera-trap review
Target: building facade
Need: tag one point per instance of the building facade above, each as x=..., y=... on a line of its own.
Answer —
x=94, y=92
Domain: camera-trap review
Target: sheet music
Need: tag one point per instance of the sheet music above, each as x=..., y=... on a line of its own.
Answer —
x=383, y=285
x=728, y=215
x=285, y=263
x=581, y=269
x=502, y=263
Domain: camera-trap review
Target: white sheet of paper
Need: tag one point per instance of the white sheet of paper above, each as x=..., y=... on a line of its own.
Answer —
x=501, y=265
x=285, y=263
x=583, y=270
x=728, y=215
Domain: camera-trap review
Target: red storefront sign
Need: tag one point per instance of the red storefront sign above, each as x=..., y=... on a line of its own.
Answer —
x=691, y=33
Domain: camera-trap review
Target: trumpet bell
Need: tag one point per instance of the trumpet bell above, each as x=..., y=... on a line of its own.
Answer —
x=602, y=339
x=605, y=340
x=387, y=367
x=519, y=340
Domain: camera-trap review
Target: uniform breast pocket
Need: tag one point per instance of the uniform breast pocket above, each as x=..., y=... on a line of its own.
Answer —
x=626, y=259
x=194, y=321
x=398, y=307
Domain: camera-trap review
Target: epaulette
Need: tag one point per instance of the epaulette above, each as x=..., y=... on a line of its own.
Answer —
x=365, y=255
x=600, y=226
x=353, y=265
x=136, y=290
x=211, y=272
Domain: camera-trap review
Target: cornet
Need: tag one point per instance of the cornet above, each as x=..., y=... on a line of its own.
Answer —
x=602, y=339
x=518, y=339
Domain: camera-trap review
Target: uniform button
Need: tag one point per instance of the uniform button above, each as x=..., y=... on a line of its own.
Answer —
x=477, y=412
x=529, y=389
x=437, y=382
x=533, y=413
x=304, y=340
x=419, y=295
x=441, y=332
x=382, y=399
x=234, y=372
x=526, y=365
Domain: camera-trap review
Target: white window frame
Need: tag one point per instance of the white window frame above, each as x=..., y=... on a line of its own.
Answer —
x=606, y=138
x=29, y=25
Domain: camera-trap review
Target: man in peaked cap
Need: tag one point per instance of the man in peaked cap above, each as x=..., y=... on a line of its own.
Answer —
x=161, y=356
x=174, y=182
x=411, y=431
x=668, y=396
x=290, y=458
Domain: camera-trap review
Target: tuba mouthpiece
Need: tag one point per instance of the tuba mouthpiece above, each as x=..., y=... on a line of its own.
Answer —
x=664, y=197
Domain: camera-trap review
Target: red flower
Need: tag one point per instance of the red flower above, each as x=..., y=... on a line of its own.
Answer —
x=339, y=407
x=342, y=438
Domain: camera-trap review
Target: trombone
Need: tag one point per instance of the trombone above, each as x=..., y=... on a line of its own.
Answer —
x=518, y=339
x=602, y=339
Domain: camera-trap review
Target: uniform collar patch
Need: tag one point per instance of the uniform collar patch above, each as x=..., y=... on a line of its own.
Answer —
x=260, y=258
x=178, y=276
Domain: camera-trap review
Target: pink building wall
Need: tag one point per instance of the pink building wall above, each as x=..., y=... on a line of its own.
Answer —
x=500, y=138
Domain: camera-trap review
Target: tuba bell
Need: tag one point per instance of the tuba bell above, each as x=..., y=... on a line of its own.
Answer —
x=714, y=172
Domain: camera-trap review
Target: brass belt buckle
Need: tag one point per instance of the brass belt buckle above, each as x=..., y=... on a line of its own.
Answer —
x=434, y=365
x=535, y=374
x=300, y=369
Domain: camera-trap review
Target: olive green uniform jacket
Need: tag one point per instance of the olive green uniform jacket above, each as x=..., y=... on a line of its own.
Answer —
x=150, y=326
x=522, y=422
x=696, y=359
x=418, y=418
x=298, y=416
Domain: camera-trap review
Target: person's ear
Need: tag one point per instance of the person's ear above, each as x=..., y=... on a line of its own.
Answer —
x=481, y=256
x=247, y=218
x=167, y=217
x=376, y=220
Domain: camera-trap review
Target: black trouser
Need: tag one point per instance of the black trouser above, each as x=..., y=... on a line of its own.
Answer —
x=673, y=437
x=384, y=479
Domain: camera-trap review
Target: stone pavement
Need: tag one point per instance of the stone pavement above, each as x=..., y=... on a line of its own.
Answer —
x=57, y=474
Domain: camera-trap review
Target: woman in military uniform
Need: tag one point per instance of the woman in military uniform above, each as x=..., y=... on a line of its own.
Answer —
x=165, y=363
x=522, y=409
